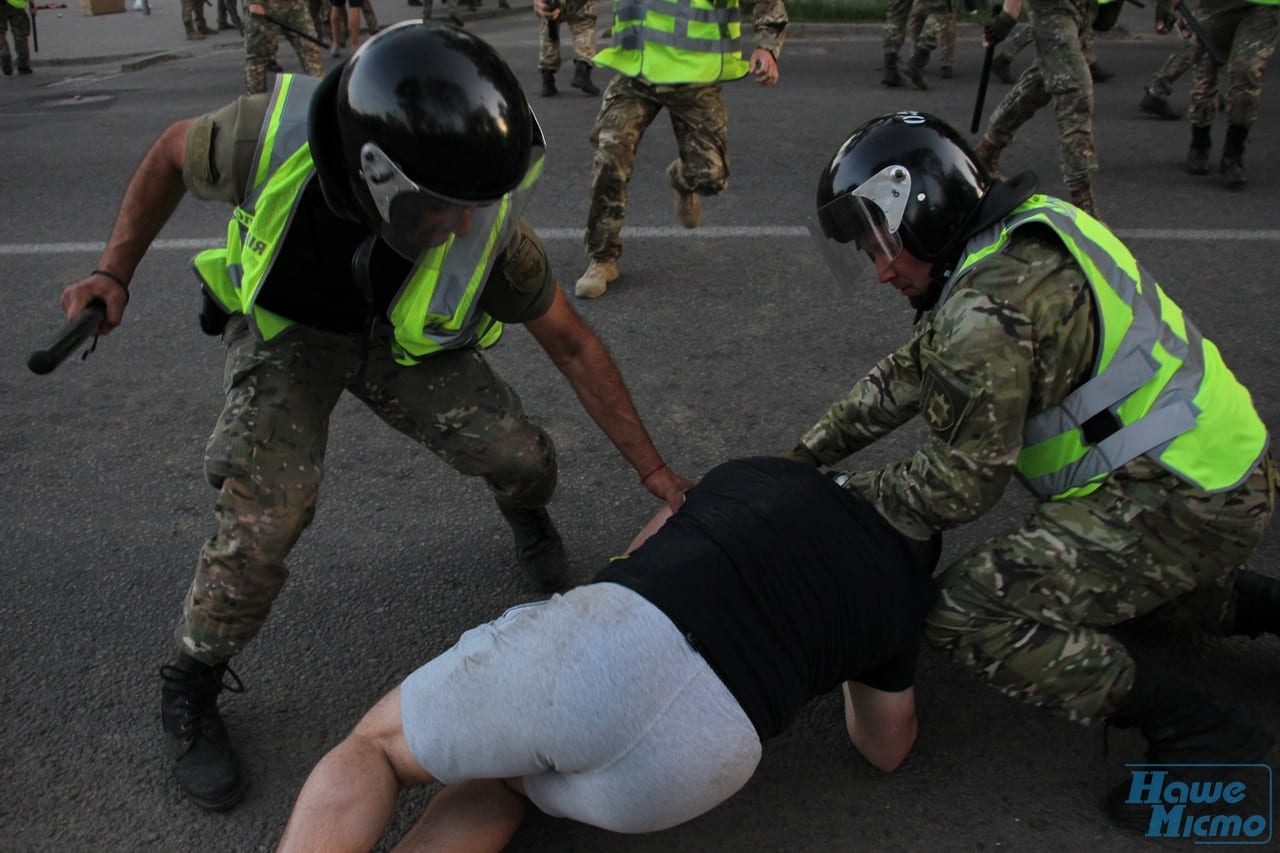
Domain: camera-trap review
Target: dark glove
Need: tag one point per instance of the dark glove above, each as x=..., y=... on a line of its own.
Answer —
x=800, y=453
x=997, y=29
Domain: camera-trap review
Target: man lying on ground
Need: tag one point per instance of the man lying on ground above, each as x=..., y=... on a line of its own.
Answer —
x=640, y=701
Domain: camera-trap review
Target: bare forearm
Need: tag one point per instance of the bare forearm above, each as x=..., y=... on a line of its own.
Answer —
x=598, y=384
x=152, y=195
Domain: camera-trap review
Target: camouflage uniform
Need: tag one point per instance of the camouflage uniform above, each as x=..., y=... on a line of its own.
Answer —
x=895, y=24
x=1022, y=35
x=451, y=9
x=1175, y=66
x=1028, y=610
x=17, y=20
x=1060, y=74
x=1246, y=34
x=261, y=37
x=266, y=454
x=580, y=16
x=933, y=23
x=193, y=18
x=700, y=122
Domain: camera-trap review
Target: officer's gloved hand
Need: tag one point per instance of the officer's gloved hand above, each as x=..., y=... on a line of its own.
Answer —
x=800, y=453
x=997, y=29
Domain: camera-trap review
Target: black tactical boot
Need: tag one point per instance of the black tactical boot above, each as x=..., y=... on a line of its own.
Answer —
x=1232, y=165
x=1001, y=69
x=539, y=549
x=915, y=71
x=891, y=77
x=6, y=66
x=1198, y=155
x=582, y=78
x=548, y=83
x=1099, y=74
x=1154, y=105
x=199, y=749
x=946, y=72
x=1182, y=727
x=1257, y=604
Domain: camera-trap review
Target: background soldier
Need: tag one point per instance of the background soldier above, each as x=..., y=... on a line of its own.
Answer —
x=261, y=37
x=580, y=15
x=1245, y=32
x=1022, y=35
x=946, y=39
x=1016, y=364
x=1155, y=100
x=1059, y=74
x=698, y=115
x=13, y=17
x=928, y=25
x=193, y=20
x=451, y=9
x=384, y=194
x=897, y=13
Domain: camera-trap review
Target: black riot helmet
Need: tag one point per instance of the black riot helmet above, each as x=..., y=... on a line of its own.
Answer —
x=423, y=119
x=907, y=181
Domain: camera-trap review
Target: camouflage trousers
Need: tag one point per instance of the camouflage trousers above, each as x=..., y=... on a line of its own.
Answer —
x=1175, y=66
x=627, y=108
x=1029, y=610
x=1059, y=74
x=193, y=14
x=266, y=457
x=933, y=23
x=15, y=19
x=261, y=37
x=1246, y=35
x=895, y=24
x=578, y=18
x=1022, y=35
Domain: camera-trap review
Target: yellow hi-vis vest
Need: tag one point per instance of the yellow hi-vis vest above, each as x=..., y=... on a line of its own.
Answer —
x=1166, y=385
x=437, y=306
x=676, y=41
x=18, y=4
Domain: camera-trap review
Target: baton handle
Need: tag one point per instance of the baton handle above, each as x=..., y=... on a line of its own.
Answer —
x=983, y=82
x=68, y=339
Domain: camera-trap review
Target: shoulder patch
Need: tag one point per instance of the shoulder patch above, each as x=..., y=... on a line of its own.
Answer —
x=943, y=405
x=200, y=151
x=525, y=265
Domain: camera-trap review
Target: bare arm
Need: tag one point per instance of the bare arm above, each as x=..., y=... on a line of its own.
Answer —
x=149, y=200
x=882, y=725
x=584, y=360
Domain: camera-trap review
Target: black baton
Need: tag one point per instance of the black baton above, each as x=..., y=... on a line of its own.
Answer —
x=297, y=32
x=74, y=333
x=982, y=89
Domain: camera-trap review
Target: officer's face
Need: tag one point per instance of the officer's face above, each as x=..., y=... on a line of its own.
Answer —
x=436, y=226
x=910, y=275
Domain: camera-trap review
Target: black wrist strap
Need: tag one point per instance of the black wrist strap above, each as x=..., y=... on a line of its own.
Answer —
x=108, y=274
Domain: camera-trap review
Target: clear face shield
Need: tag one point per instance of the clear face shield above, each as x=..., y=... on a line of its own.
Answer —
x=858, y=228
x=414, y=220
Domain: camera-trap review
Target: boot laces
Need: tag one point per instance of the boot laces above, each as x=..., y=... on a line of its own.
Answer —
x=194, y=702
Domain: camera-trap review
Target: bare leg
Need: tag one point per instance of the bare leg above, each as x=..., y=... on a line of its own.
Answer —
x=350, y=795
x=353, y=26
x=479, y=815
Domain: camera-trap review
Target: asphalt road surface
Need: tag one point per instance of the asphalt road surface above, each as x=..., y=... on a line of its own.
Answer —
x=733, y=339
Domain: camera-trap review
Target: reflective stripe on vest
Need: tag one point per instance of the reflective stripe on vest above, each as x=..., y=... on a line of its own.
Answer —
x=1166, y=385
x=677, y=41
x=436, y=307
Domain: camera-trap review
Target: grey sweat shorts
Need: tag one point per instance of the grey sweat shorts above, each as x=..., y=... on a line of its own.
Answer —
x=596, y=701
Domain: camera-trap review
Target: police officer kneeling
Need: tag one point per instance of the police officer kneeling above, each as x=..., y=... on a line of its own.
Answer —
x=1043, y=350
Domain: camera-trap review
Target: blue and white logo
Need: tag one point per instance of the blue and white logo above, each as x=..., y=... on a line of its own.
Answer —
x=1205, y=803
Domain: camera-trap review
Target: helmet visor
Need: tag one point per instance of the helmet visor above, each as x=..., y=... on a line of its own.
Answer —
x=412, y=218
x=859, y=227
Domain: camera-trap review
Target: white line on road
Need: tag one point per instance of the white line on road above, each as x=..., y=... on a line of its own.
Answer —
x=721, y=232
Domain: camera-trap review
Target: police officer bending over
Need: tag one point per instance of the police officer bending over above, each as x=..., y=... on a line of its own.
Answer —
x=376, y=248
x=1044, y=350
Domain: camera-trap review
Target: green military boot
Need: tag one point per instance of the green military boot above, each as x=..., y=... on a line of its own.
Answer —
x=1198, y=154
x=539, y=549
x=199, y=749
x=891, y=77
x=1232, y=165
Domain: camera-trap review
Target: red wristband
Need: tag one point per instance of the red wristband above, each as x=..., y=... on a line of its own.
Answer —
x=651, y=473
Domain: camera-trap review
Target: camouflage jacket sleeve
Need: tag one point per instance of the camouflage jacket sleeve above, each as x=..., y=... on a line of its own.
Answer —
x=887, y=397
x=976, y=358
x=768, y=25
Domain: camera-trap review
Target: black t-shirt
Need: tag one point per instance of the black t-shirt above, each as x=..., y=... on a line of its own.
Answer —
x=787, y=584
